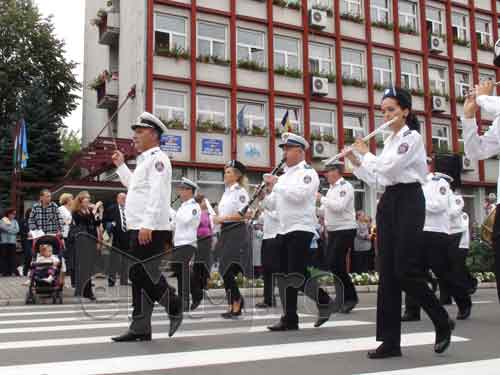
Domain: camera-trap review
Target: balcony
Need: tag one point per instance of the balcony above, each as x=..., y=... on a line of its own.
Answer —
x=108, y=23
x=106, y=86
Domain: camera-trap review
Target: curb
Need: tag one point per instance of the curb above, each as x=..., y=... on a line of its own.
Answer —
x=213, y=293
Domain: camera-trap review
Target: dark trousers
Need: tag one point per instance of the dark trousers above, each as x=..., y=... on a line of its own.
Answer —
x=270, y=265
x=496, y=247
x=362, y=261
x=441, y=252
x=230, y=283
x=8, y=256
x=180, y=265
x=201, y=268
x=400, y=220
x=148, y=284
x=339, y=244
x=28, y=251
x=118, y=264
x=293, y=262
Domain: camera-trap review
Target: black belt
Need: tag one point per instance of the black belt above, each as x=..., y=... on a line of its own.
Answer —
x=401, y=186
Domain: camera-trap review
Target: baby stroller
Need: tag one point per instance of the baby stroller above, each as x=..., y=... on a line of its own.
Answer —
x=39, y=287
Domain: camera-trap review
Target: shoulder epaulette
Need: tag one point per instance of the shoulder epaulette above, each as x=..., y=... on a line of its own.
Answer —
x=307, y=166
x=342, y=182
x=408, y=132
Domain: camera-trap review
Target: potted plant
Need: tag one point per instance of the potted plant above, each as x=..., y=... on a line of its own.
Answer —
x=461, y=42
x=383, y=25
x=251, y=65
x=288, y=72
x=356, y=18
x=176, y=52
x=348, y=81
x=101, y=79
x=408, y=29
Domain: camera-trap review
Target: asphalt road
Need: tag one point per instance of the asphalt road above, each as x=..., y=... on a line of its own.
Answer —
x=74, y=339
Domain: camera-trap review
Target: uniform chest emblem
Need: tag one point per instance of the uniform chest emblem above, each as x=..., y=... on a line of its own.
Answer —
x=442, y=190
x=159, y=166
x=458, y=201
x=465, y=217
x=307, y=179
x=195, y=212
x=403, y=148
x=243, y=199
x=343, y=193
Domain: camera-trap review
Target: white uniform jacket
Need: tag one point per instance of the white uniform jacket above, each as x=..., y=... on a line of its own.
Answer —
x=465, y=239
x=270, y=217
x=234, y=199
x=456, y=209
x=338, y=206
x=187, y=221
x=437, y=200
x=148, y=199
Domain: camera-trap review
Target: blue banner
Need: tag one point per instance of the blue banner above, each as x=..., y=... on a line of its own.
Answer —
x=212, y=147
x=171, y=143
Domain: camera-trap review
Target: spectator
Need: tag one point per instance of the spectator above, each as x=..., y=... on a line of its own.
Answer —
x=9, y=228
x=66, y=201
x=489, y=203
x=116, y=225
x=84, y=222
x=26, y=242
x=362, y=254
x=45, y=215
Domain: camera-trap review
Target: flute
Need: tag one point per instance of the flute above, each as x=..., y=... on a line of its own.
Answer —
x=365, y=139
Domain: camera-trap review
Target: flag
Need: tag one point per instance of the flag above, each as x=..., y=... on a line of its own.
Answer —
x=286, y=125
x=241, y=121
x=23, y=145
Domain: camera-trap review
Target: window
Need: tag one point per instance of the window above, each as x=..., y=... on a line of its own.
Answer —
x=440, y=138
x=437, y=80
x=170, y=32
x=460, y=132
x=286, y=52
x=320, y=4
x=460, y=22
x=352, y=7
x=251, y=46
x=320, y=58
x=353, y=127
x=486, y=76
x=483, y=32
x=410, y=74
x=253, y=116
x=408, y=14
x=293, y=118
x=170, y=106
x=212, y=40
x=322, y=124
x=352, y=64
x=462, y=83
x=435, y=21
x=212, y=111
x=380, y=11
x=382, y=70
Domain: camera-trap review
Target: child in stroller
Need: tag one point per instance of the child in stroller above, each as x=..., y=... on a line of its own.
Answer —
x=46, y=270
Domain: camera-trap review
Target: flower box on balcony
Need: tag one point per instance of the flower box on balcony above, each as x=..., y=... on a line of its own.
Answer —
x=254, y=132
x=251, y=65
x=106, y=86
x=108, y=22
x=407, y=29
x=174, y=124
x=346, y=81
x=461, y=42
x=288, y=72
x=356, y=18
x=176, y=52
x=207, y=59
x=383, y=25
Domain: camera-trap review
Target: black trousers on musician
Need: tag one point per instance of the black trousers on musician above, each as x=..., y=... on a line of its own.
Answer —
x=496, y=248
x=440, y=252
x=270, y=263
x=400, y=222
x=339, y=244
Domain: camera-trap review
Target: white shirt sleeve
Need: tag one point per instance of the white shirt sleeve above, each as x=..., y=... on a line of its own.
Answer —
x=124, y=173
x=456, y=205
x=366, y=171
x=480, y=147
x=438, y=200
x=338, y=202
x=303, y=187
x=490, y=104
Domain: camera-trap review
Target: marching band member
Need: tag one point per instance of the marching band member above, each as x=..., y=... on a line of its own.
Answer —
x=401, y=169
x=295, y=195
x=149, y=223
x=270, y=244
x=483, y=147
x=233, y=243
x=340, y=220
x=440, y=245
x=187, y=220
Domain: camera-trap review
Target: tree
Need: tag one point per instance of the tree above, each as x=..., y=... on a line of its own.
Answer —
x=72, y=144
x=33, y=72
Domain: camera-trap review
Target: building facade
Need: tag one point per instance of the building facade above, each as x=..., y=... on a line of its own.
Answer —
x=225, y=74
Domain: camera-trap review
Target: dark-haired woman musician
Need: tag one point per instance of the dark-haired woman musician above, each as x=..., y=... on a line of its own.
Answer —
x=401, y=168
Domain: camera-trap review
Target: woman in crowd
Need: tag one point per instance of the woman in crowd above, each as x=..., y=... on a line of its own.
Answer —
x=85, y=236
x=9, y=228
x=362, y=254
x=66, y=201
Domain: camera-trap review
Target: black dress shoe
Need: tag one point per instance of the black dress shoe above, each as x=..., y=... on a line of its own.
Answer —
x=473, y=288
x=131, y=336
x=348, y=306
x=283, y=326
x=410, y=317
x=262, y=305
x=175, y=323
x=385, y=351
x=464, y=313
x=443, y=337
x=324, y=314
x=196, y=304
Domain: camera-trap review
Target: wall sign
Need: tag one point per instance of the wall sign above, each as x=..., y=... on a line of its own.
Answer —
x=171, y=143
x=212, y=147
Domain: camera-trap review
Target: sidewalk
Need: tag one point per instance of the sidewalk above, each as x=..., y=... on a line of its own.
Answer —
x=13, y=292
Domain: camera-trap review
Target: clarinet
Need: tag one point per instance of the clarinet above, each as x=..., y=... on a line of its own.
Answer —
x=261, y=187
